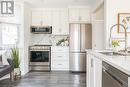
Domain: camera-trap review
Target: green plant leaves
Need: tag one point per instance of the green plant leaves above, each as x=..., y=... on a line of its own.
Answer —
x=15, y=57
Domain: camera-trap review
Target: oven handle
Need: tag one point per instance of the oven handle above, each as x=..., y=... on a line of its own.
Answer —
x=122, y=83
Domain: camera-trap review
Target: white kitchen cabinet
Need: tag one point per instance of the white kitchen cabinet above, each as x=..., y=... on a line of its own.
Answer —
x=94, y=71
x=64, y=24
x=42, y=17
x=60, y=21
x=98, y=35
x=84, y=14
x=128, y=81
x=59, y=58
x=79, y=15
x=47, y=17
x=90, y=72
x=56, y=17
x=55, y=21
x=37, y=18
x=73, y=14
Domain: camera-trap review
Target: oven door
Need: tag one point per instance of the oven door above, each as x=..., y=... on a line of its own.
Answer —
x=40, y=57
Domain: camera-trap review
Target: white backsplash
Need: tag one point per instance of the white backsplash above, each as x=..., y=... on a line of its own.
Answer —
x=55, y=39
x=45, y=39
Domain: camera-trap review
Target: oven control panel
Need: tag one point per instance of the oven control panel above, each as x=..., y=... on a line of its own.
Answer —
x=39, y=48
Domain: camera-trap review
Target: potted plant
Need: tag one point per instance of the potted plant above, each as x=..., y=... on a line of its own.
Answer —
x=115, y=43
x=16, y=61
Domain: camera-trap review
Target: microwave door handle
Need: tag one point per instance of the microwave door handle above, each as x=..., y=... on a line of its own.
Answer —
x=114, y=77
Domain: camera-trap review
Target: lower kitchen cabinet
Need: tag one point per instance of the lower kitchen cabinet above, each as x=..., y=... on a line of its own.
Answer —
x=94, y=71
x=60, y=58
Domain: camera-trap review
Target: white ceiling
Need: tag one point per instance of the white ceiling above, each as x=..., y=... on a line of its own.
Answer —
x=57, y=3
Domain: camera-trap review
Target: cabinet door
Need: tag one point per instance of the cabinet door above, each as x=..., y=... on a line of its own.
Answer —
x=56, y=21
x=97, y=73
x=98, y=35
x=94, y=71
x=47, y=17
x=84, y=15
x=60, y=65
x=64, y=24
x=73, y=14
x=90, y=71
x=36, y=18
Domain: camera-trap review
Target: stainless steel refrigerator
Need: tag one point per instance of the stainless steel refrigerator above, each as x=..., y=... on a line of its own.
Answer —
x=80, y=40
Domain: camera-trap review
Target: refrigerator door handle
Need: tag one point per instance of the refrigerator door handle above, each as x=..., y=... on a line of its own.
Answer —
x=80, y=38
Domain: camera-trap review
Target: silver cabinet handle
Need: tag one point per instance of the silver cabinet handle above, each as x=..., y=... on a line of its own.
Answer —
x=59, y=50
x=41, y=22
x=91, y=62
x=59, y=56
x=59, y=64
x=80, y=18
x=59, y=29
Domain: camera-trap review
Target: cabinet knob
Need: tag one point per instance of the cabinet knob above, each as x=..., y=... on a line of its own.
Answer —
x=41, y=22
x=59, y=29
x=80, y=18
x=59, y=56
x=59, y=64
x=59, y=50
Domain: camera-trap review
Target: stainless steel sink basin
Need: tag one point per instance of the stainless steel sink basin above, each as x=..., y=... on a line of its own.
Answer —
x=112, y=54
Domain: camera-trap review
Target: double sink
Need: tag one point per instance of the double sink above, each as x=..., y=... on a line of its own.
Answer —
x=115, y=53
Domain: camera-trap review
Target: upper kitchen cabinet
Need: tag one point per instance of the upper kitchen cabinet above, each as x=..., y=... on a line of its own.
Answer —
x=36, y=17
x=42, y=17
x=79, y=15
x=47, y=17
x=60, y=22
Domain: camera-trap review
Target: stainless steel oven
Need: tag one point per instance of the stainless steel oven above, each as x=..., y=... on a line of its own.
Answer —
x=41, y=29
x=112, y=77
x=40, y=57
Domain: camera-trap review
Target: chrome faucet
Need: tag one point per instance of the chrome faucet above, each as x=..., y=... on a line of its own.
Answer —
x=125, y=35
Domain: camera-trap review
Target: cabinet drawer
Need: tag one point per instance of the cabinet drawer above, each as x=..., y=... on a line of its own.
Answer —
x=60, y=65
x=59, y=49
x=60, y=56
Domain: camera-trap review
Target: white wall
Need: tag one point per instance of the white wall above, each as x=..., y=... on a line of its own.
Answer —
x=57, y=3
x=98, y=28
x=26, y=38
x=24, y=34
x=15, y=18
x=99, y=14
x=112, y=8
x=96, y=4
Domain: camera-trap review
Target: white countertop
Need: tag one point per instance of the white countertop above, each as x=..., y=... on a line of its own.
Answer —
x=120, y=62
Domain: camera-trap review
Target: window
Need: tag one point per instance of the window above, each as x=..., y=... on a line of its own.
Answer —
x=9, y=34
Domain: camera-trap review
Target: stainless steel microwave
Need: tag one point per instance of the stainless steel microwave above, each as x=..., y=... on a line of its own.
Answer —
x=41, y=29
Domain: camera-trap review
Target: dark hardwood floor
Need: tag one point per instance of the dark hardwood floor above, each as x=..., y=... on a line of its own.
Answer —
x=48, y=79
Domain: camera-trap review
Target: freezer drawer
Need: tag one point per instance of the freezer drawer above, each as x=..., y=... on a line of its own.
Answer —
x=78, y=62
